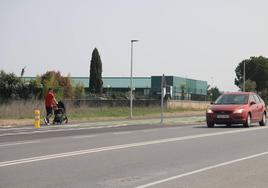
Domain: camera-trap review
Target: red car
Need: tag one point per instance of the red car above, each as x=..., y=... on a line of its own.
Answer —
x=237, y=108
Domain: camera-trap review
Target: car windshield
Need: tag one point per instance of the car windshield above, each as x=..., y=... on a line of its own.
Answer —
x=232, y=99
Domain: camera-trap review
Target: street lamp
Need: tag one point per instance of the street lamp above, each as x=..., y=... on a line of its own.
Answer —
x=108, y=90
x=131, y=78
x=244, y=77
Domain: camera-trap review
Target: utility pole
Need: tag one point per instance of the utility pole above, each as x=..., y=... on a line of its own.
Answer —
x=162, y=97
x=244, y=77
x=131, y=79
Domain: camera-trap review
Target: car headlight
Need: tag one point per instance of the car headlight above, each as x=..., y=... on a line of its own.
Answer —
x=209, y=111
x=239, y=111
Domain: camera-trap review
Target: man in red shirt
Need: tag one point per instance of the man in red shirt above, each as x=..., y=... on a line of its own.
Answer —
x=50, y=102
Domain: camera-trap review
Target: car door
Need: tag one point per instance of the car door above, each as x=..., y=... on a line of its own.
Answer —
x=259, y=107
x=253, y=108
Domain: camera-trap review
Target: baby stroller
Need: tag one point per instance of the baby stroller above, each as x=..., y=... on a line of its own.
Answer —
x=60, y=114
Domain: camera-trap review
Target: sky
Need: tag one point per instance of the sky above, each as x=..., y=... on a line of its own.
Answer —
x=203, y=40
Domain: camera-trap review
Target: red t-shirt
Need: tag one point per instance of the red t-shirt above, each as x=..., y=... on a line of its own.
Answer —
x=49, y=99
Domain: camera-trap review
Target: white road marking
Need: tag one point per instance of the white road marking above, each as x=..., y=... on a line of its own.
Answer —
x=175, y=128
x=16, y=128
x=202, y=170
x=117, y=147
x=149, y=130
x=46, y=131
x=19, y=143
x=58, y=130
x=120, y=133
x=83, y=136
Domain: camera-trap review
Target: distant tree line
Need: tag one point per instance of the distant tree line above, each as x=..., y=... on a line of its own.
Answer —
x=256, y=75
x=13, y=87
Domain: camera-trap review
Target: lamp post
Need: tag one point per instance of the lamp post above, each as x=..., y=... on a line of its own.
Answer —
x=244, y=77
x=108, y=90
x=131, y=78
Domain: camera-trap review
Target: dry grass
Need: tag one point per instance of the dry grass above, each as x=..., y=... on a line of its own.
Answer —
x=21, y=109
x=22, y=112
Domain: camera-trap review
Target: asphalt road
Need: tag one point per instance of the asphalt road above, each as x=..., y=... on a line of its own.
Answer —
x=134, y=156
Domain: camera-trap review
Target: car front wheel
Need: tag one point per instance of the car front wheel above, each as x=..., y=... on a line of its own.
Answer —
x=248, y=121
x=263, y=120
x=210, y=124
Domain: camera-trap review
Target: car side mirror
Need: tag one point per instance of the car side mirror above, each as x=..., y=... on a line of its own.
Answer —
x=211, y=102
x=252, y=103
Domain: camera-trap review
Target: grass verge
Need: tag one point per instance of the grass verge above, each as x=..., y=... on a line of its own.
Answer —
x=23, y=113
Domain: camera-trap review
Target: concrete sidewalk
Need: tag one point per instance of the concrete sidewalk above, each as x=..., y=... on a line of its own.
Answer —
x=186, y=117
x=184, y=120
x=152, y=121
x=181, y=120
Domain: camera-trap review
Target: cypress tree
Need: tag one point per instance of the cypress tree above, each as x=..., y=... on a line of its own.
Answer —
x=95, y=77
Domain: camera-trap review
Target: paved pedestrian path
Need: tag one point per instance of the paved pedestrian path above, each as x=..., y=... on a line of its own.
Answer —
x=114, y=123
x=153, y=121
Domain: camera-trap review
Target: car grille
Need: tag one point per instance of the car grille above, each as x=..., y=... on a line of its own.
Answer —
x=223, y=112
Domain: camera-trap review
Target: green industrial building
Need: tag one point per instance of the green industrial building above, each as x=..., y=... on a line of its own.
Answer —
x=141, y=85
x=180, y=88
x=150, y=87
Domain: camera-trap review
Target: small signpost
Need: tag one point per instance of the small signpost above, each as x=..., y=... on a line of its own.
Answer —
x=163, y=93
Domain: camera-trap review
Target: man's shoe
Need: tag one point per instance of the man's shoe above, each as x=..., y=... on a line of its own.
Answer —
x=45, y=120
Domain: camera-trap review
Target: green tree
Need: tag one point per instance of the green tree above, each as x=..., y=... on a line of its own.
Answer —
x=264, y=95
x=95, y=77
x=10, y=85
x=66, y=85
x=35, y=88
x=182, y=87
x=213, y=93
x=13, y=87
x=256, y=71
x=62, y=85
x=79, y=91
x=250, y=85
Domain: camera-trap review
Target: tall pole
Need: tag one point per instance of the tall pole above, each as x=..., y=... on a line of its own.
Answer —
x=131, y=79
x=162, y=97
x=244, y=77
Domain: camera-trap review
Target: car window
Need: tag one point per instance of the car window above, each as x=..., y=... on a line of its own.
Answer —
x=232, y=99
x=251, y=98
x=257, y=100
x=260, y=99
